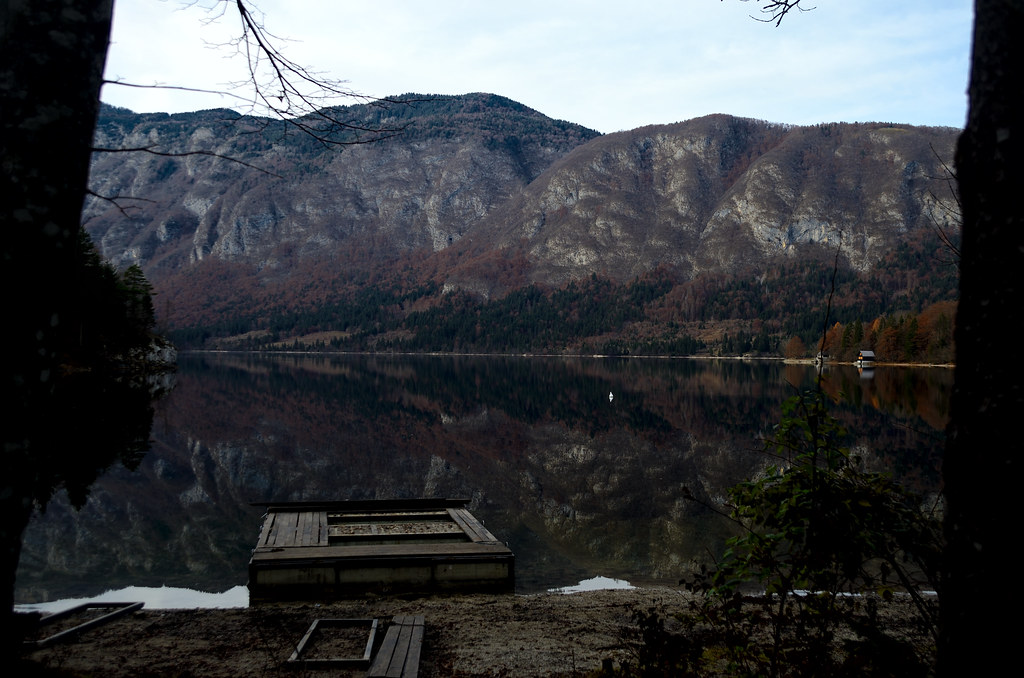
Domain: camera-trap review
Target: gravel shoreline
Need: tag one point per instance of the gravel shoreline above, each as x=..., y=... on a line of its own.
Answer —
x=549, y=634
x=544, y=635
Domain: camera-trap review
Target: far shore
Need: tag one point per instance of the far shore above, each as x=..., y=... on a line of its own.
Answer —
x=458, y=354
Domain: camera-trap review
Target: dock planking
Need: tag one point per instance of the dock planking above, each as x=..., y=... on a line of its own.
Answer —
x=338, y=549
x=294, y=529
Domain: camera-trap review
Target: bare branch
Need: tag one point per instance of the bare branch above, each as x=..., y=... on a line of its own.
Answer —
x=277, y=87
x=183, y=154
x=115, y=200
x=956, y=212
x=305, y=100
x=776, y=10
x=179, y=88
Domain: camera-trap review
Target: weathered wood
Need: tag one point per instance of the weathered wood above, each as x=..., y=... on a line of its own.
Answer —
x=277, y=535
x=117, y=610
x=268, y=523
x=317, y=551
x=374, y=505
x=385, y=654
x=470, y=525
x=291, y=530
x=298, y=658
x=412, y=659
x=307, y=529
x=354, y=551
x=399, y=655
x=342, y=517
x=322, y=538
x=396, y=669
x=287, y=523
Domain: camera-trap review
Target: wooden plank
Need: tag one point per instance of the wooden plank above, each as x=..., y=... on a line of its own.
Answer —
x=409, y=619
x=397, y=666
x=399, y=654
x=461, y=522
x=307, y=529
x=297, y=538
x=485, y=534
x=383, y=551
x=268, y=522
x=118, y=610
x=412, y=659
x=298, y=658
x=322, y=537
x=472, y=527
x=275, y=533
x=302, y=643
x=289, y=524
x=380, y=665
x=375, y=505
x=390, y=516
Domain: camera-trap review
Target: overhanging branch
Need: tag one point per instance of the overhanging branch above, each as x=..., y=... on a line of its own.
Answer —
x=776, y=10
x=184, y=154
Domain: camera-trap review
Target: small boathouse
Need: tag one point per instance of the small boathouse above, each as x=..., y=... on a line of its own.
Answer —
x=337, y=549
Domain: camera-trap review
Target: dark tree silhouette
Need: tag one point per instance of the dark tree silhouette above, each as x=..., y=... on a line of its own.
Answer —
x=982, y=463
x=981, y=466
x=52, y=57
x=51, y=67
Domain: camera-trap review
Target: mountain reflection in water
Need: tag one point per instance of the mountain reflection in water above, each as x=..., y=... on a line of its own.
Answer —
x=579, y=484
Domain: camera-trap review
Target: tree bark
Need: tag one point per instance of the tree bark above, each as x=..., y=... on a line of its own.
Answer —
x=52, y=54
x=982, y=464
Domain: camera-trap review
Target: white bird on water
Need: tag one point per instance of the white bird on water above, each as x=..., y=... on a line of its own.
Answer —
x=610, y=396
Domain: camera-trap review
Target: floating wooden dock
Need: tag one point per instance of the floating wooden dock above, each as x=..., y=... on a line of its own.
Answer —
x=310, y=551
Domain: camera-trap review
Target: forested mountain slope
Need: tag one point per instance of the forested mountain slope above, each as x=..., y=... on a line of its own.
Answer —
x=485, y=225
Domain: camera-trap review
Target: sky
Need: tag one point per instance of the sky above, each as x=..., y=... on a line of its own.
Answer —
x=609, y=66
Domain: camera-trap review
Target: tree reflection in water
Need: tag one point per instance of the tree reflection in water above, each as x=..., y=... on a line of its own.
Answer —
x=579, y=485
x=91, y=420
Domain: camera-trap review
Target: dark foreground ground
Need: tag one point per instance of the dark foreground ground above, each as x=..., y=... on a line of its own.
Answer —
x=466, y=635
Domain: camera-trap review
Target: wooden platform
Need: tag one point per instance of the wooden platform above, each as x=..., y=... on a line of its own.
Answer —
x=338, y=549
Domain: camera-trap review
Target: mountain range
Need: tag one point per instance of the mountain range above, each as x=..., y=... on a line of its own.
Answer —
x=483, y=222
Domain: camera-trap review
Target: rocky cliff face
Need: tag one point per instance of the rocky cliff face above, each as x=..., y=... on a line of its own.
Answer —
x=478, y=178
x=217, y=185
x=726, y=195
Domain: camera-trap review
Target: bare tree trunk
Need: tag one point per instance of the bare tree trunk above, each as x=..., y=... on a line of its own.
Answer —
x=52, y=54
x=983, y=461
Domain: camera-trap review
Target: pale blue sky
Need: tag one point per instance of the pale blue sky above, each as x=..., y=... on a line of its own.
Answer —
x=606, y=65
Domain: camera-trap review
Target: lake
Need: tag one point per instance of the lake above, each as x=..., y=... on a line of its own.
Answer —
x=582, y=465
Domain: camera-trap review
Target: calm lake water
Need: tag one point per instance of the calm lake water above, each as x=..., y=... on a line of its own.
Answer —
x=580, y=465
